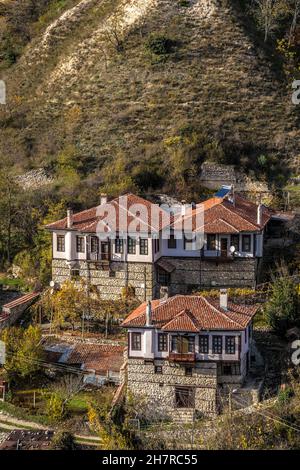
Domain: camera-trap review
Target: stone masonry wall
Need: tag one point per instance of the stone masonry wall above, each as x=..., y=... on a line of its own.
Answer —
x=160, y=388
x=110, y=282
x=192, y=273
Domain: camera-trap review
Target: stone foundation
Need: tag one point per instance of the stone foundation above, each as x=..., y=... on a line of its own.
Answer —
x=111, y=280
x=159, y=389
x=191, y=274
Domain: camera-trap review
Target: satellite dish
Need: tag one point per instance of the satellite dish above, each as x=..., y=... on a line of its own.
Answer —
x=52, y=284
x=232, y=249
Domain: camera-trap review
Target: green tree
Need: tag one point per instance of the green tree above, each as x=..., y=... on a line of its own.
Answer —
x=282, y=309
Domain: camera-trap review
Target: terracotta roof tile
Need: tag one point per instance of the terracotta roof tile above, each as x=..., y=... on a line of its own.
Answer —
x=193, y=311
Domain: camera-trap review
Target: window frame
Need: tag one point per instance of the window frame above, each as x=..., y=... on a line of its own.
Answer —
x=162, y=342
x=215, y=347
x=131, y=246
x=60, y=243
x=135, y=341
x=172, y=242
x=204, y=348
x=244, y=238
x=144, y=248
x=230, y=345
x=119, y=245
x=95, y=244
x=209, y=238
x=80, y=244
x=232, y=243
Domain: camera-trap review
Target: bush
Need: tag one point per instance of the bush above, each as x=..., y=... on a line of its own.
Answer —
x=63, y=440
x=159, y=45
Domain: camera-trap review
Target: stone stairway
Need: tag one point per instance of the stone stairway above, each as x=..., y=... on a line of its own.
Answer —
x=183, y=415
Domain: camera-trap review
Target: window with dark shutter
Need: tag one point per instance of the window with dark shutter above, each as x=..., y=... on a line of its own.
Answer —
x=172, y=243
x=211, y=242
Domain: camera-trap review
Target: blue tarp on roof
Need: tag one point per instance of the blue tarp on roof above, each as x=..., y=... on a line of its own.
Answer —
x=223, y=191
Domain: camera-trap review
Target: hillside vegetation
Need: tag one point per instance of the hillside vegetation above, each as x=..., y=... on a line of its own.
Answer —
x=134, y=95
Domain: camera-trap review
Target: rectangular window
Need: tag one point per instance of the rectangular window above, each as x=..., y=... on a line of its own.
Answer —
x=156, y=245
x=203, y=344
x=119, y=245
x=235, y=241
x=131, y=246
x=158, y=370
x=189, y=243
x=172, y=243
x=163, y=277
x=230, y=344
x=75, y=274
x=60, y=243
x=188, y=371
x=217, y=344
x=79, y=244
x=143, y=246
x=94, y=245
x=246, y=243
x=191, y=344
x=162, y=342
x=211, y=242
x=136, y=341
x=231, y=369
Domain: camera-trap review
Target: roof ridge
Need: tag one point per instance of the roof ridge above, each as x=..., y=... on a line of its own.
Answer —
x=223, y=313
x=241, y=217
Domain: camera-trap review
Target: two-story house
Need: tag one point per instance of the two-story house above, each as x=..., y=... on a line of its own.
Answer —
x=154, y=249
x=182, y=351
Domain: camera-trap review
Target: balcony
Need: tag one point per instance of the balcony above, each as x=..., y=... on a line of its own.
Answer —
x=218, y=257
x=182, y=357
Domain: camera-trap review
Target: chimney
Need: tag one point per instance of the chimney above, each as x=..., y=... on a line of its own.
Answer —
x=259, y=214
x=223, y=299
x=69, y=218
x=148, y=313
x=103, y=199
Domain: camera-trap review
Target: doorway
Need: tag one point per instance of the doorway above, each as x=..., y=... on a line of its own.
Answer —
x=224, y=247
x=184, y=397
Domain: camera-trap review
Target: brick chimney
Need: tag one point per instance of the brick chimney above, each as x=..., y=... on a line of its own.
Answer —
x=224, y=299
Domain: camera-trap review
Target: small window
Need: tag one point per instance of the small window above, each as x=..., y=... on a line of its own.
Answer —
x=230, y=344
x=94, y=245
x=80, y=244
x=162, y=342
x=246, y=243
x=211, y=242
x=156, y=245
x=188, y=371
x=203, y=344
x=75, y=274
x=172, y=242
x=235, y=241
x=231, y=369
x=143, y=246
x=119, y=245
x=131, y=246
x=217, y=344
x=136, y=342
x=163, y=277
x=191, y=347
x=226, y=369
x=189, y=243
x=60, y=243
x=158, y=370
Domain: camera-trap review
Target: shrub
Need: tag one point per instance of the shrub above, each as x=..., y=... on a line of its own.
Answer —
x=63, y=440
x=159, y=45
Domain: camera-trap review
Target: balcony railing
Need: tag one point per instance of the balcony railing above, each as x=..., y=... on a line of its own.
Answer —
x=182, y=357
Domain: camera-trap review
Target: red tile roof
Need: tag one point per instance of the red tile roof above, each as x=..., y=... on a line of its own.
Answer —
x=21, y=300
x=117, y=215
x=192, y=313
x=222, y=216
x=97, y=357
